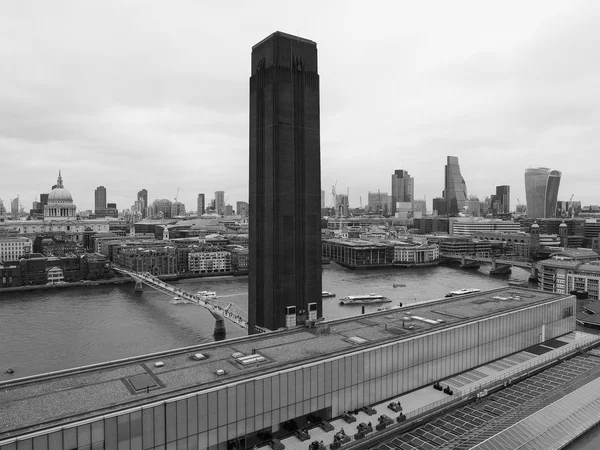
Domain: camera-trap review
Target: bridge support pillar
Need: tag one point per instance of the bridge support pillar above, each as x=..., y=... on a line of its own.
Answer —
x=493, y=264
x=533, y=273
x=463, y=260
x=219, y=332
x=138, y=286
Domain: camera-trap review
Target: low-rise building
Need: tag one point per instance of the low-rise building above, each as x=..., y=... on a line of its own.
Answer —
x=13, y=248
x=470, y=226
x=73, y=230
x=37, y=269
x=357, y=253
x=415, y=255
x=570, y=270
x=209, y=262
x=239, y=260
x=463, y=246
x=156, y=260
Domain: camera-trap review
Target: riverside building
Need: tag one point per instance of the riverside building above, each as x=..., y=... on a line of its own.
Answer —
x=470, y=226
x=171, y=400
x=14, y=248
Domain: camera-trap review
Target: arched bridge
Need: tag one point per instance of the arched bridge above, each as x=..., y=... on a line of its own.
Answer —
x=528, y=265
x=219, y=309
x=486, y=259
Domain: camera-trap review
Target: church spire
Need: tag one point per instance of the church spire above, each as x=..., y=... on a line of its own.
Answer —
x=59, y=183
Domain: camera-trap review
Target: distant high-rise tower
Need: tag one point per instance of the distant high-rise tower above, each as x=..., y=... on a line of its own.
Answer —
x=378, y=202
x=163, y=207
x=143, y=196
x=541, y=191
x=322, y=198
x=403, y=186
x=201, y=204
x=100, y=198
x=220, y=202
x=342, y=205
x=242, y=209
x=285, y=183
x=14, y=208
x=455, y=190
x=503, y=199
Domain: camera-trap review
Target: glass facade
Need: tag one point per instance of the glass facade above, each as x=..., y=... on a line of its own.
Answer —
x=249, y=412
x=402, y=188
x=541, y=190
x=455, y=192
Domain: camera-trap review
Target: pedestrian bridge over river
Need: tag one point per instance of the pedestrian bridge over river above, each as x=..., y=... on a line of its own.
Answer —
x=220, y=310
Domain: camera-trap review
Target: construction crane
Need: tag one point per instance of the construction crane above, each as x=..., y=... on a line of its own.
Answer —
x=333, y=193
x=571, y=211
x=177, y=195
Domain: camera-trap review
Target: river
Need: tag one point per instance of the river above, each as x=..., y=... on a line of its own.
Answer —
x=44, y=331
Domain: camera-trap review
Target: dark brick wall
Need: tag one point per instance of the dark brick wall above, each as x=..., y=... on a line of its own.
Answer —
x=285, y=180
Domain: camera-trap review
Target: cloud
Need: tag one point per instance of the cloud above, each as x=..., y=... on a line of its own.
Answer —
x=151, y=95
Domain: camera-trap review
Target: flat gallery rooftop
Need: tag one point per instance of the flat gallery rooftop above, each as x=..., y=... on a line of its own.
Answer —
x=43, y=401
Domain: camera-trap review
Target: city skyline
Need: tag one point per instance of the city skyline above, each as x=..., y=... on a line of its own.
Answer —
x=501, y=103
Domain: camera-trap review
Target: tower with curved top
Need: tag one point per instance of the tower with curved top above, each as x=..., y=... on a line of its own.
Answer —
x=455, y=188
x=541, y=191
x=285, y=184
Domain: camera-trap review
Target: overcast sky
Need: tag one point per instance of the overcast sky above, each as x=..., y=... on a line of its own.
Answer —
x=154, y=94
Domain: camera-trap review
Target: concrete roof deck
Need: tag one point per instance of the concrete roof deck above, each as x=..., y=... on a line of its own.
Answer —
x=38, y=402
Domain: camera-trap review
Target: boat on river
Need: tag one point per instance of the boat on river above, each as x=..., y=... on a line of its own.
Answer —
x=325, y=294
x=207, y=295
x=368, y=299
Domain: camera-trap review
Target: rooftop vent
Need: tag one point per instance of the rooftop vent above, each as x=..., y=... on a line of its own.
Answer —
x=142, y=382
x=247, y=360
x=358, y=340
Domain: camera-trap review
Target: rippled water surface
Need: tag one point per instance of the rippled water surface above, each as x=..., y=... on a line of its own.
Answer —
x=43, y=331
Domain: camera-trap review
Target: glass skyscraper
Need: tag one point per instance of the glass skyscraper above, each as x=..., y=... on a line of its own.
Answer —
x=402, y=189
x=541, y=190
x=455, y=192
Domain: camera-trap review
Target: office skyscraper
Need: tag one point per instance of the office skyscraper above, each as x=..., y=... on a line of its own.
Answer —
x=455, y=190
x=201, y=204
x=100, y=198
x=402, y=189
x=285, y=183
x=220, y=202
x=503, y=199
x=242, y=209
x=162, y=207
x=541, y=191
x=378, y=202
x=14, y=208
x=143, y=195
